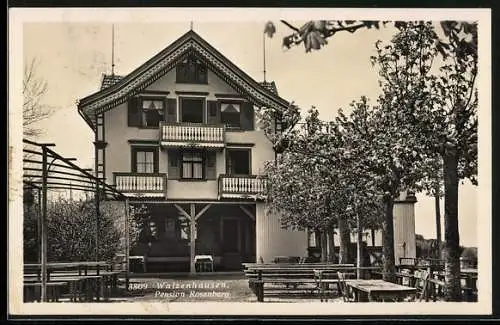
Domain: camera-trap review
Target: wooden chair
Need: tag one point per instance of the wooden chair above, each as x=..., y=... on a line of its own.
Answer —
x=421, y=284
x=343, y=290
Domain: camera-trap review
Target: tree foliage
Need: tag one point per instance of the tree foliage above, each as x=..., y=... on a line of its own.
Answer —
x=316, y=182
x=300, y=182
x=383, y=163
x=72, y=228
x=439, y=98
x=425, y=122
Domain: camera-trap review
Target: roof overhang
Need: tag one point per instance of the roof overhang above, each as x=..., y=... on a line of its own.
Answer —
x=190, y=43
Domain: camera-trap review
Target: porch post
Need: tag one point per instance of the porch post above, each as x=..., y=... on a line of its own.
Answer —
x=192, y=223
x=127, y=245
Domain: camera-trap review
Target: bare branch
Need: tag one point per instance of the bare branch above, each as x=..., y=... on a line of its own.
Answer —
x=289, y=25
x=34, y=110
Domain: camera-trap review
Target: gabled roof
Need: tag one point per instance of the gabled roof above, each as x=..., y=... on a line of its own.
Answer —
x=119, y=89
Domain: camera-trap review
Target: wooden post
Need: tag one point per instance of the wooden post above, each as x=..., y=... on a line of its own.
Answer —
x=359, y=247
x=192, y=238
x=260, y=287
x=44, y=225
x=97, y=208
x=127, y=245
x=39, y=226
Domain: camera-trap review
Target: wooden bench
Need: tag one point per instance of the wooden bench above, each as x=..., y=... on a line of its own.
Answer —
x=82, y=268
x=32, y=291
x=109, y=278
x=261, y=274
x=435, y=285
x=81, y=287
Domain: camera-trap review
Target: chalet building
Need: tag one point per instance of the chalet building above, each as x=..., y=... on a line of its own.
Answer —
x=180, y=135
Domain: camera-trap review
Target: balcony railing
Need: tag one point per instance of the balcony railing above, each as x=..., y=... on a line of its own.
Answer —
x=192, y=134
x=251, y=187
x=141, y=184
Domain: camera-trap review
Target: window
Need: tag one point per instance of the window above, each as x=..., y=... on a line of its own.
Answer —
x=238, y=162
x=192, y=110
x=191, y=70
x=152, y=112
x=144, y=160
x=230, y=114
x=192, y=165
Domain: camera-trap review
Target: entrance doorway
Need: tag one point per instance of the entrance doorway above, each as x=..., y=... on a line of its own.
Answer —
x=231, y=243
x=231, y=239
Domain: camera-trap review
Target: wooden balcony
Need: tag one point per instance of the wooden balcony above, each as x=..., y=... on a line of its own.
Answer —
x=141, y=184
x=192, y=135
x=242, y=187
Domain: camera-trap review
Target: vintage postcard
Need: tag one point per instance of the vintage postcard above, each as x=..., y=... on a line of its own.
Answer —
x=250, y=161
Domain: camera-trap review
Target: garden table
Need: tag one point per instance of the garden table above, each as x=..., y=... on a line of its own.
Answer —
x=379, y=290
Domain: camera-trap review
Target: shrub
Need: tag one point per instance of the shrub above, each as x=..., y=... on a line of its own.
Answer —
x=71, y=230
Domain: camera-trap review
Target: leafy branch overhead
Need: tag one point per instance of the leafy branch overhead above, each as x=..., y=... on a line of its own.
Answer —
x=314, y=34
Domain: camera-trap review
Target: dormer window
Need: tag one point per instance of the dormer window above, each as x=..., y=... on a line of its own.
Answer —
x=191, y=70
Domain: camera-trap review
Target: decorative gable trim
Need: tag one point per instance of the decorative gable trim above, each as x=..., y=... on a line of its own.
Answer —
x=163, y=62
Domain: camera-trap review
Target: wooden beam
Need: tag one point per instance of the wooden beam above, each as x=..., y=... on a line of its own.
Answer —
x=247, y=212
x=192, y=251
x=181, y=210
x=233, y=202
x=205, y=208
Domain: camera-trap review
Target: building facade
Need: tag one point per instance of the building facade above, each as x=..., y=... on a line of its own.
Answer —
x=180, y=135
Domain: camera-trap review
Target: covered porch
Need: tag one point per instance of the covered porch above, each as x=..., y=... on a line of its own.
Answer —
x=174, y=233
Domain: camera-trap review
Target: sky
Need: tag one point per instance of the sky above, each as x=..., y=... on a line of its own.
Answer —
x=73, y=56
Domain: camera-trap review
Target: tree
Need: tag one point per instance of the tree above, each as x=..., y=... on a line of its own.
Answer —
x=34, y=89
x=319, y=183
x=442, y=113
x=383, y=161
x=443, y=110
x=303, y=188
x=451, y=124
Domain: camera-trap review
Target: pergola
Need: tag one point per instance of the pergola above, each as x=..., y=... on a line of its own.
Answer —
x=45, y=170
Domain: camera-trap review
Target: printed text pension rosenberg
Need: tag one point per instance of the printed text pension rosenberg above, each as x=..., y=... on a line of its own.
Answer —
x=191, y=294
x=199, y=285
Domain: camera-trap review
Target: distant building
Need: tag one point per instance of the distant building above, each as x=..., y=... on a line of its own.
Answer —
x=179, y=134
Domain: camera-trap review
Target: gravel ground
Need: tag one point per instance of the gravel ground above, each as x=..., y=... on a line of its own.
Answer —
x=209, y=289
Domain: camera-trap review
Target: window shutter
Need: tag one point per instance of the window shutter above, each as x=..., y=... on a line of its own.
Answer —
x=246, y=116
x=211, y=165
x=213, y=116
x=171, y=110
x=134, y=113
x=156, y=158
x=228, y=163
x=173, y=164
x=133, y=168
